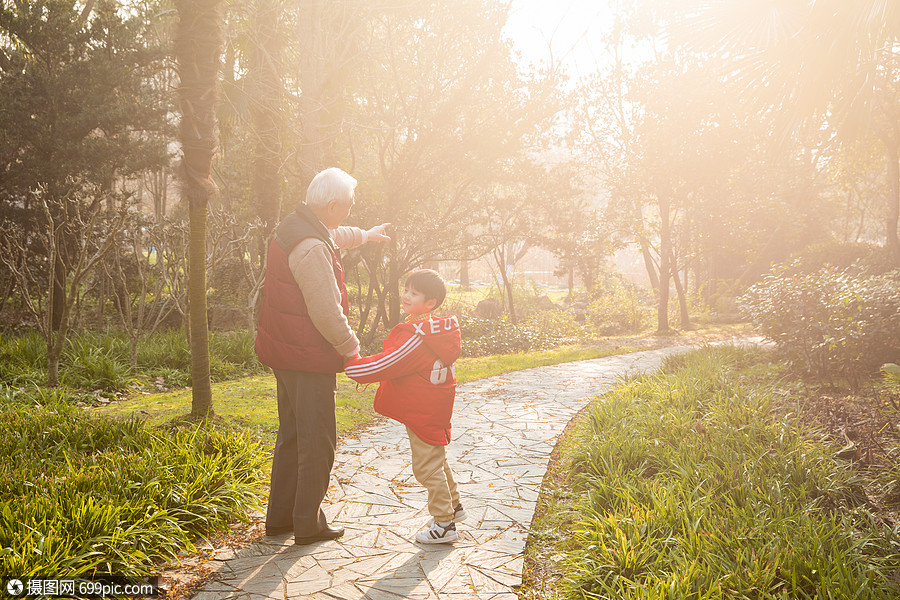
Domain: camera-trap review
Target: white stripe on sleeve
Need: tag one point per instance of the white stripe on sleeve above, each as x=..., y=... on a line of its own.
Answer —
x=385, y=361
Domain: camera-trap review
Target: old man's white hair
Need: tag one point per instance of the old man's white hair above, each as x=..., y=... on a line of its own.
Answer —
x=330, y=184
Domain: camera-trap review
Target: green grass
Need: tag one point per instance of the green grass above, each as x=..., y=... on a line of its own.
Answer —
x=82, y=495
x=251, y=401
x=81, y=492
x=248, y=402
x=683, y=484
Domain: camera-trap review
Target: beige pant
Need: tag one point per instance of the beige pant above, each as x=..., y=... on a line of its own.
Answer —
x=431, y=469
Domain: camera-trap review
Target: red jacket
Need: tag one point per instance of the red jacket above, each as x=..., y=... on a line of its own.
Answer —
x=286, y=338
x=418, y=379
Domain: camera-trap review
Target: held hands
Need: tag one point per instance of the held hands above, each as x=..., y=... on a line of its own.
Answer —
x=376, y=234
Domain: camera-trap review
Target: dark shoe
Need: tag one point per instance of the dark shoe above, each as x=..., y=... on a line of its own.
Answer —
x=270, y=531
x=329, y=533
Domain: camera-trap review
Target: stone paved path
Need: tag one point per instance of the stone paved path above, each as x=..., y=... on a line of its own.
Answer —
x=504, y=429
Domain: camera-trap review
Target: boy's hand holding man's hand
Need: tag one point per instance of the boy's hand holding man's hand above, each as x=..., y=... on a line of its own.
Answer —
x=376, y=234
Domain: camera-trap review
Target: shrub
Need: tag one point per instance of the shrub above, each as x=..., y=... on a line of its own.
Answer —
x=529, y=299
x=482, y=337
x=560, y=326
x=165, y=350
x=23, y=359
x=618, y=308
x=93, y=360
x=542, y=330
x=829, y=324
x=858, y=258
x=236, y=348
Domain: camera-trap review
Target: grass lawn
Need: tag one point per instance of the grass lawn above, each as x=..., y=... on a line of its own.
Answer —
x=251, y=401
x=695, y=483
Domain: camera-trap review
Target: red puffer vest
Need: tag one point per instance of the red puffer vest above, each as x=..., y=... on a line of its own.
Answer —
x=286, y=338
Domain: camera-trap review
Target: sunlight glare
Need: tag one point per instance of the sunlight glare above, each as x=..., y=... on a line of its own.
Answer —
x=566, y=30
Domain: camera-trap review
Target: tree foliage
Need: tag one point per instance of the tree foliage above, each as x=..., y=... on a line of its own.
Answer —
x=444, y=116
x=714, y=138
x=76, y=113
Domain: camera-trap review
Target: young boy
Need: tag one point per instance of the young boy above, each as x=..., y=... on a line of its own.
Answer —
x=418, y=385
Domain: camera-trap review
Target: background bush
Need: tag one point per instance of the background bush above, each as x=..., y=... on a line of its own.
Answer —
x=858, y=258
x=482, y=337
x=619, y=307
x=102, y=360
x=829, y=324
x=560, y=325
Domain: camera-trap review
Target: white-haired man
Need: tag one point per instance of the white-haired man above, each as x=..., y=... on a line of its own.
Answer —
x=305, y=336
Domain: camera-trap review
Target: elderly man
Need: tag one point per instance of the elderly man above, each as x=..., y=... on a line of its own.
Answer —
x=304, y=335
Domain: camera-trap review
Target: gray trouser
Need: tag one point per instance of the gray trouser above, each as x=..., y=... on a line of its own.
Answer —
x=304, y=451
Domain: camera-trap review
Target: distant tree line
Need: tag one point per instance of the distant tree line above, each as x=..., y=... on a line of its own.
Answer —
x=710, y=139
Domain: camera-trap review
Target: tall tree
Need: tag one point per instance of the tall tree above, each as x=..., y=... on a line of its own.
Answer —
x=834, y=60
x=695, y=181
x=444, y=114
x=199, y=44
x=76, y=107
x=266, y=94
x=78, y=116
x=324, y=61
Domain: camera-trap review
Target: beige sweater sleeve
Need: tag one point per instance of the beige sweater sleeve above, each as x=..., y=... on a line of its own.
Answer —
x=347, y=236
x=310, y=262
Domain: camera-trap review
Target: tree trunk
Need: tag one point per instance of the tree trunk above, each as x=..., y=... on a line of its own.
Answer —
x=59, y=292
x=365, y=310
x=86, y=11
x=682, y=298
x=134, y=352
x=56, y=341
x=649, y=264
x=101, y=300
x=665, y=249
x=198, y=51
x=7, y=293
x=266, y=93
x=53, y=353
x=392, y=286
x=201, y=388
x=381, y=316
x=464, y=281
x=893, y=217
x=507, y=284
x=500, y=257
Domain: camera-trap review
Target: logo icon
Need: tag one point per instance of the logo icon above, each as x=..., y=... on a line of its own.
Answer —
x=14, y=587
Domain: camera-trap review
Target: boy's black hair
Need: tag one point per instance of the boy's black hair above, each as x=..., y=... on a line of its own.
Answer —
x=429, y=283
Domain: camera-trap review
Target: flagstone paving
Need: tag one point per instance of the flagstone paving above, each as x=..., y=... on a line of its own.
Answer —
x=504, y=429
